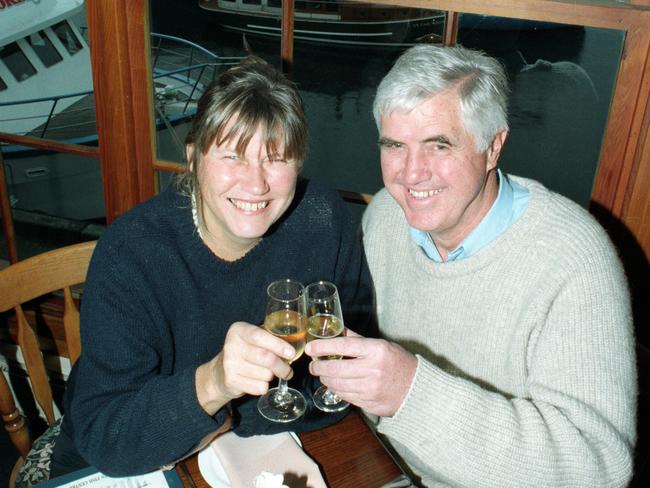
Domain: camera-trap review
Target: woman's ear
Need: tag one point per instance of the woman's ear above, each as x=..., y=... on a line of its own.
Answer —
x=189, y=150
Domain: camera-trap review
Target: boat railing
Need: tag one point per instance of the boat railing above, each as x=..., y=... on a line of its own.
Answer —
x=181, y=70
x=176, y=91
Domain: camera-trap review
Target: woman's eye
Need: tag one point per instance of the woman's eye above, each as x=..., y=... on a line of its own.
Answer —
x=276, y=159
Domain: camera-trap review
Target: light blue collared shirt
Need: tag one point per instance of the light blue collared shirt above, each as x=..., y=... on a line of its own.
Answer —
x=510, y=203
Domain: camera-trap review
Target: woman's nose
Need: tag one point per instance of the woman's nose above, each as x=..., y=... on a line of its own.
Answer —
x=254, y=179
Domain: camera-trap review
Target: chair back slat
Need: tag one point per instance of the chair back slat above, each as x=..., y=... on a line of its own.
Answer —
x=71, y=326
x=33, y=357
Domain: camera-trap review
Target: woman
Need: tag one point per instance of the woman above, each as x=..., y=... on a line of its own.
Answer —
x=172, y=350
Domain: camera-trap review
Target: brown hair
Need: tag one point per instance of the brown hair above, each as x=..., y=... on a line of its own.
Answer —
x=253, y=95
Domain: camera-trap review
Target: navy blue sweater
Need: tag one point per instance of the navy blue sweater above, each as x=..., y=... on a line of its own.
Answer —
x=157, y=304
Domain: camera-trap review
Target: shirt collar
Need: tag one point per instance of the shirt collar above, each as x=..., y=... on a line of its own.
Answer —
x=495, y=222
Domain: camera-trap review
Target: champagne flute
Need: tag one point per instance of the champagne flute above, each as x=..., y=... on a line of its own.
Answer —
x=285, y=318
x=325, y=321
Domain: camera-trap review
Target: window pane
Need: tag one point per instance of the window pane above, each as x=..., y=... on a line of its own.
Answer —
x=44, y=49
x=562, y=79
x=559, y=104
x=67, y=37
x=57, y=198
x=16, y=61
x=337, y=67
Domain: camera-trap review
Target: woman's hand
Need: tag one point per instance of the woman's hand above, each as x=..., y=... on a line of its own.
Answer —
x=251, y=357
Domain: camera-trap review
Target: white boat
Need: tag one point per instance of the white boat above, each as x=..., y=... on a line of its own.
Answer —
x=46, y=91
x=332, y=21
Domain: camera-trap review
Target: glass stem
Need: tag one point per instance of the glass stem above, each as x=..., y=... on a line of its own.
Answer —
x=281, y=396
x=329, y=397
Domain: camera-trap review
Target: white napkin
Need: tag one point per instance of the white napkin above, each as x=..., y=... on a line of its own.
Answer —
x=243, y=458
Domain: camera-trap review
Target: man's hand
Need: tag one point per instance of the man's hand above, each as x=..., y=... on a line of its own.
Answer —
x=251, y=358
x=376, y=377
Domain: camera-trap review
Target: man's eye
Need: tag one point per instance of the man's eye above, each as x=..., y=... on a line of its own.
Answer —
x=390, y=145
x=436, y=146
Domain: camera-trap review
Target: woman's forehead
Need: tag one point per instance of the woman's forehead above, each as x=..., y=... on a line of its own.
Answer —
x=240, y=138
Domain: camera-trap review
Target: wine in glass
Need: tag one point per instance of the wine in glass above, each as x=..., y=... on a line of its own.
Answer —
x=285, y=318
x=325, y=321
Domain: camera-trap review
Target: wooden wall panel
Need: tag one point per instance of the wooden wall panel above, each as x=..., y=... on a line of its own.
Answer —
x=119, y=46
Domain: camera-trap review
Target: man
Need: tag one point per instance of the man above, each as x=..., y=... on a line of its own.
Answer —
x=507, y=356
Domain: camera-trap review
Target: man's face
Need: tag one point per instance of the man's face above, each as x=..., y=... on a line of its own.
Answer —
x=431, y=167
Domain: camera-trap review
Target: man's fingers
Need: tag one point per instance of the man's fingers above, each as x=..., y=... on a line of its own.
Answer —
x=342, y=346
x=351, y=333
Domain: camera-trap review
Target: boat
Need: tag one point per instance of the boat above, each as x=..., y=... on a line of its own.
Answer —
x=331, y=21
x=46, y=91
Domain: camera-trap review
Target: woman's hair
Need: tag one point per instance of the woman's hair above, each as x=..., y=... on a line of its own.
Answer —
x=426, y=70
x=250, y=96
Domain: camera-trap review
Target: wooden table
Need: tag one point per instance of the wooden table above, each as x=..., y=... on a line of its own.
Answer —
x=348, y=453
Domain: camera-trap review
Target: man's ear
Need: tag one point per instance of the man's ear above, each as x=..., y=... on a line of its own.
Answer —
x=494, y=150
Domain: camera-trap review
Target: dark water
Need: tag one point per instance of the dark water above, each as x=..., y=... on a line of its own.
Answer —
x=562, y=79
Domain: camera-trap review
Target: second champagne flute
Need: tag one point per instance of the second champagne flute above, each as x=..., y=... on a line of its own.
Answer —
x=325, y=322
x=285, y=318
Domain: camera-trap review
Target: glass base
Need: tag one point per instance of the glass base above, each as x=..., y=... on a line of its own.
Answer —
x=282, y=408
x=327, y=401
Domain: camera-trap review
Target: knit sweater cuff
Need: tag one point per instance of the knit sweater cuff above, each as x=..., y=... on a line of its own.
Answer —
x=431, y=396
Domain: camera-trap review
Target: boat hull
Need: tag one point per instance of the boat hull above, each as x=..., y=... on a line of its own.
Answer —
x=399, y=32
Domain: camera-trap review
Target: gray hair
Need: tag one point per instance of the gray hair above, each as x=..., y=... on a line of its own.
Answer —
x=425, y=70
x=252, y=95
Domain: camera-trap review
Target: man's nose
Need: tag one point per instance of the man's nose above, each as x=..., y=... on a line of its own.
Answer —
x=417, y=167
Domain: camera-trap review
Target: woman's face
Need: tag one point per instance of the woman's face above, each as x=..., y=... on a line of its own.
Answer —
x=242, y=196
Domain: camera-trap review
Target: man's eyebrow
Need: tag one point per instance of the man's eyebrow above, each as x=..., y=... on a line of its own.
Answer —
x=439, y=139
x=385, y=140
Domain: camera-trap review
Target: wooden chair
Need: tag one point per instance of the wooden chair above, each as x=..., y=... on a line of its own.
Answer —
x=23, y=282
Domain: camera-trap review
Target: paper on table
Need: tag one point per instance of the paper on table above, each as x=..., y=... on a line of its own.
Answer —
x=243, y=458
x=91, y=478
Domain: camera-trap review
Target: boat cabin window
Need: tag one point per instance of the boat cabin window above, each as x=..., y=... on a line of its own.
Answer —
x=275, y=3
x=251, y=2
x=15, y=59
x=3, y=85
x=67, y=37
x=44, y=49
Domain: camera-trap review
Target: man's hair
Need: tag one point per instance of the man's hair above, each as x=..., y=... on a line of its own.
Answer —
x=426, y=70
x=249, y=96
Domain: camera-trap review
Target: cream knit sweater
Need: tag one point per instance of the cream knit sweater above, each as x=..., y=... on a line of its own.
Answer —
x=526, y=366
